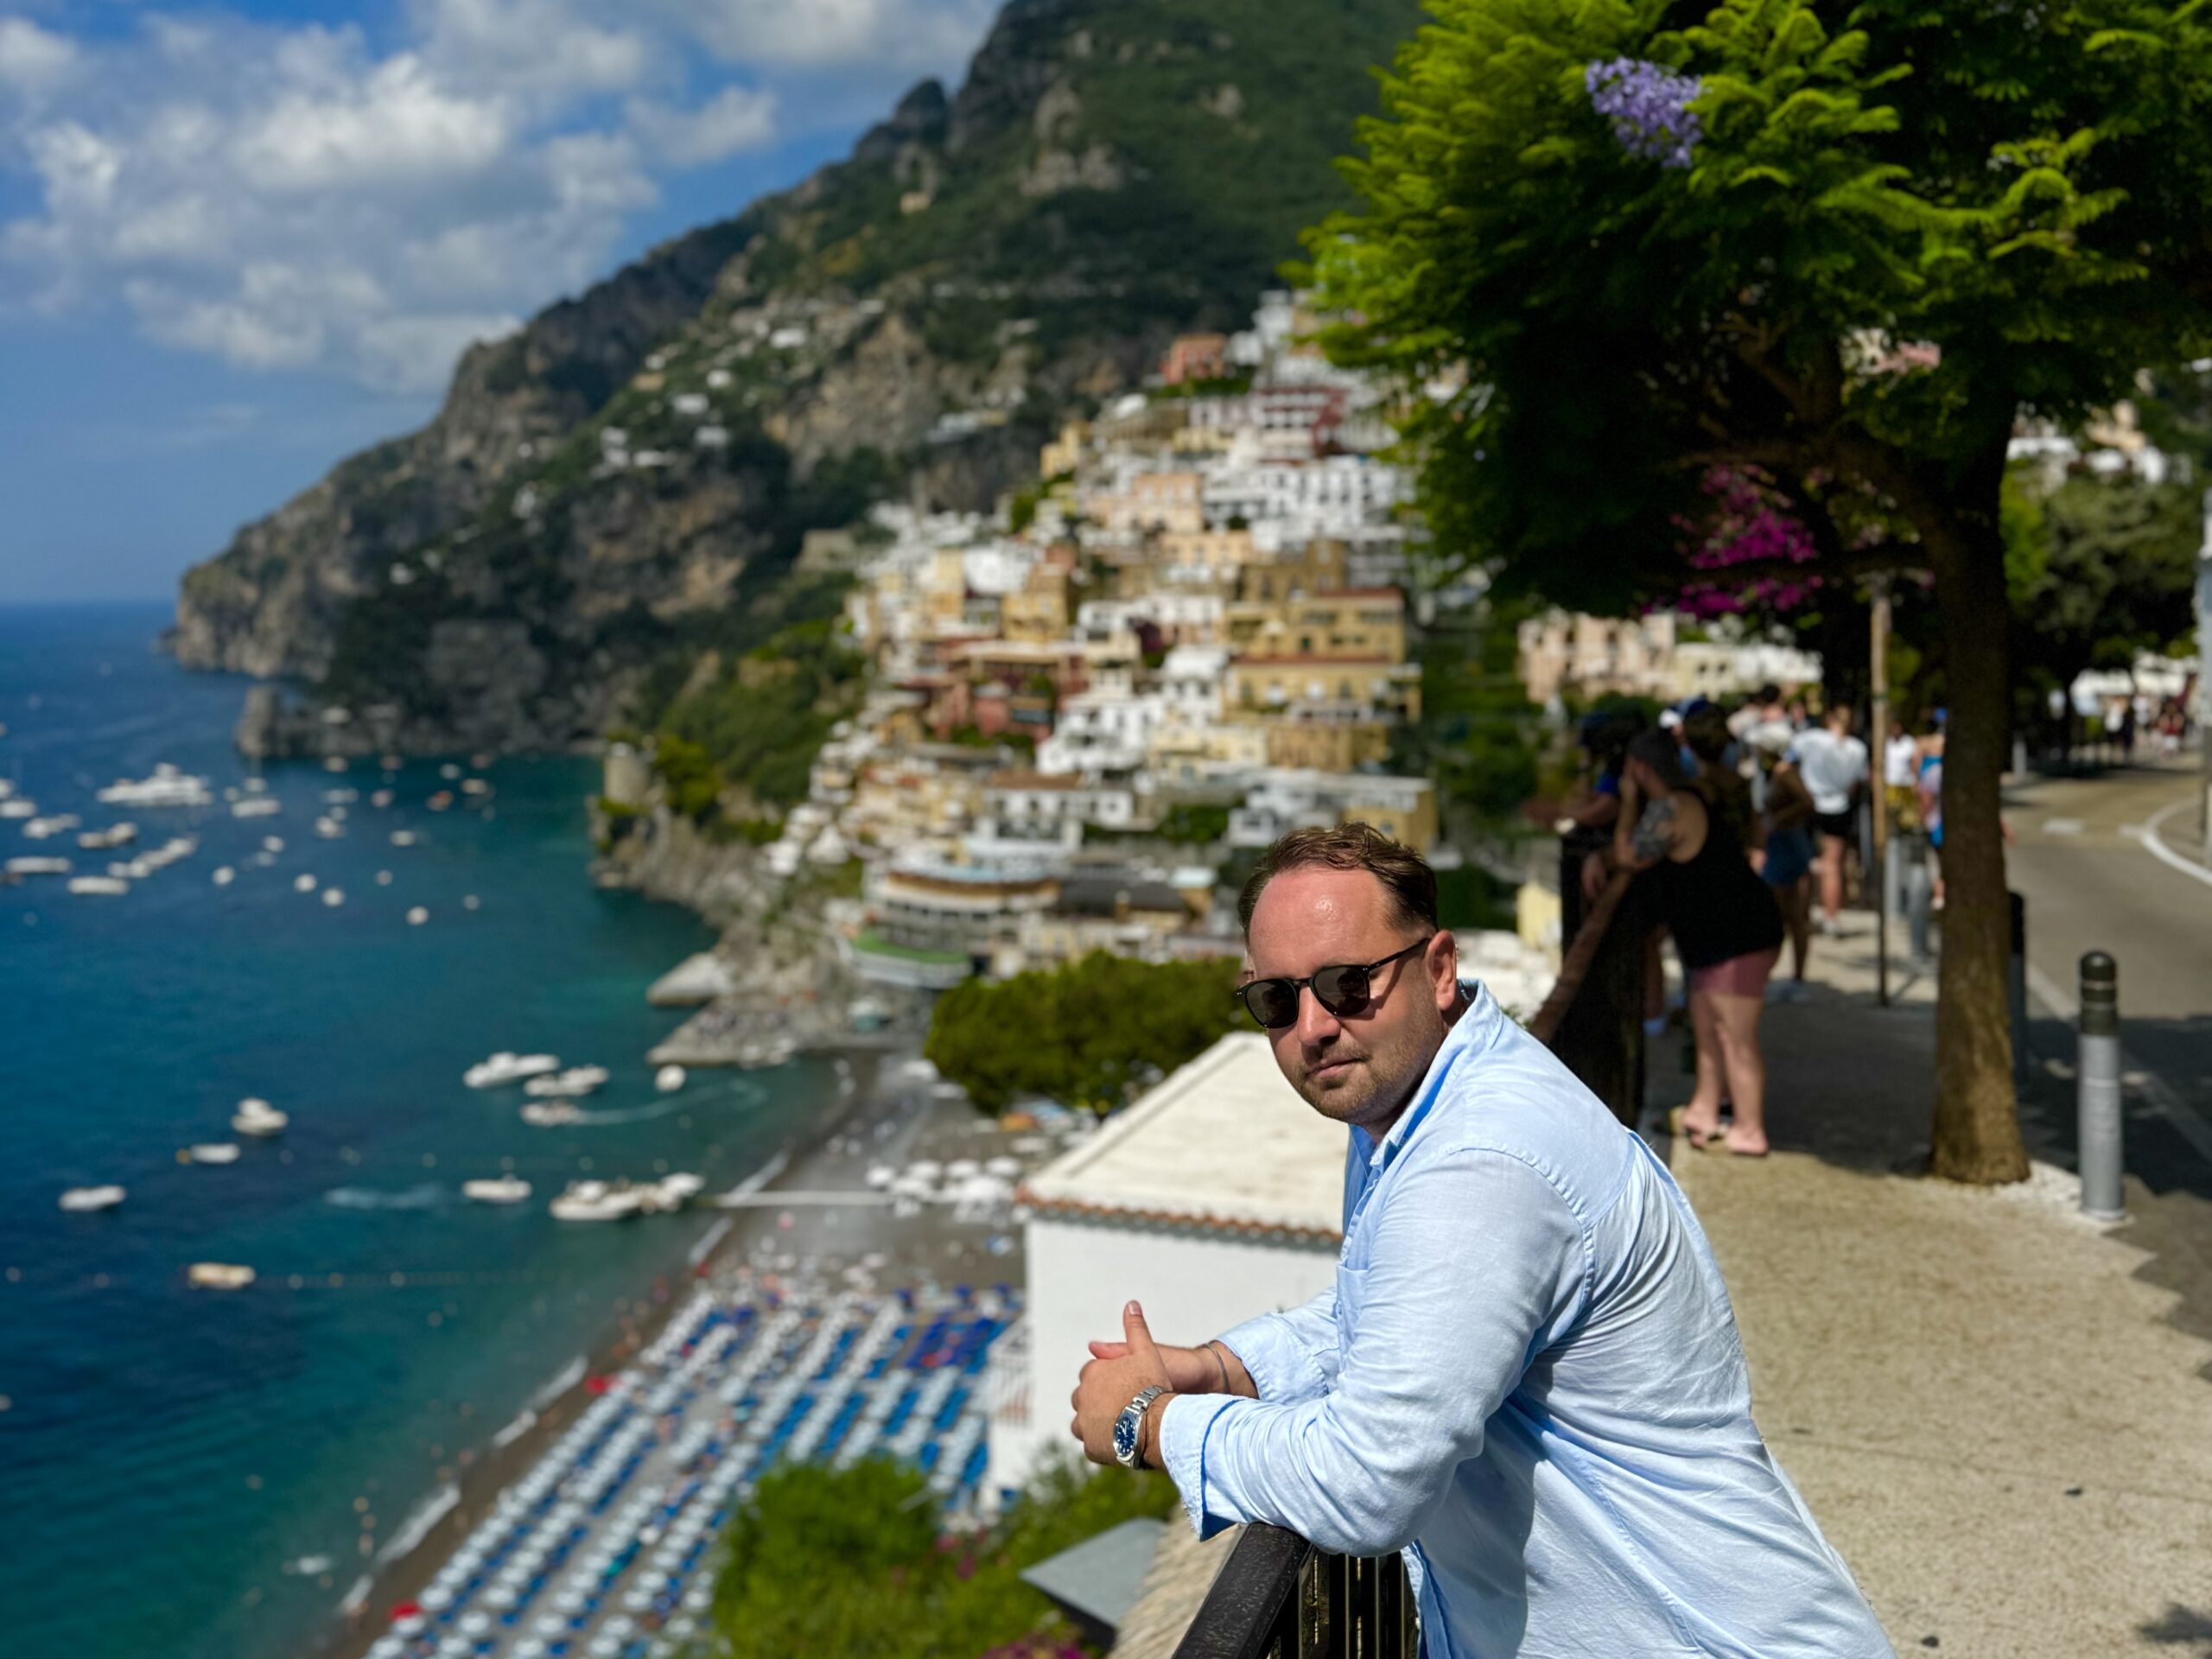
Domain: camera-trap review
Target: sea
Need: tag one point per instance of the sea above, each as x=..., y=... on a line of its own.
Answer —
x=195, y=1472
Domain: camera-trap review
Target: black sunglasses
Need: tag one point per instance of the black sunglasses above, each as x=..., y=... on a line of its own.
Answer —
x=1342, y=990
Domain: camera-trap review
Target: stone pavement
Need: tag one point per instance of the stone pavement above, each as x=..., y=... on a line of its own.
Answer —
x=1997, y=1410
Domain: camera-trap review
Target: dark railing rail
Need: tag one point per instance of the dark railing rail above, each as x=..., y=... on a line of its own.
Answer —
x=1278, y=1597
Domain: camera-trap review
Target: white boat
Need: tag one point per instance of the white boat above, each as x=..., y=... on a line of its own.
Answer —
x=217, y=1276
x=86, y=1200
x=168, y=786
x=225, y=876
x=340, y=796
x=40, y=828
x=258, y=1118
x=598, y=1201
x=505, y=1189
x=173, y=850
x=38, y=867
x=18, y=808
x=257, y=807
x=403, y=838
x=674, y=1191
x=303, y=883
x=272, y=843
x=104, y=885
x=417, y=915
x=880, y=1176
x=329, y=829
x=576, y=1080
x=669, y=1079
x=333, y=897
x=507, y=1066
x=117, y=835
x=213, y=1152
x=550, y=1113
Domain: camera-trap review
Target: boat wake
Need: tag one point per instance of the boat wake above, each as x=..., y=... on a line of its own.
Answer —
x=417, y=1525
x=426, y=1197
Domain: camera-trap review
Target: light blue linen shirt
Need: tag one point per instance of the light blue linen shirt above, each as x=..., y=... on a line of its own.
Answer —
x=1527, y=1378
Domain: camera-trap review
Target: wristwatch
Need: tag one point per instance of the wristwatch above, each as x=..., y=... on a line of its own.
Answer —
x=1130, y=1424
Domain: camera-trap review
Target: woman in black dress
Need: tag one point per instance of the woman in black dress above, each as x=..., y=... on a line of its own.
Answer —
x=1726, y=926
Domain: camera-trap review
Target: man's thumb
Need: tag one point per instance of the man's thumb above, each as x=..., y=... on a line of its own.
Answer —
x=1138, y=1333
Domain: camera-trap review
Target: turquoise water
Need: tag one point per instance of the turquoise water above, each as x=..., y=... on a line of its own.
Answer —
x=168, y=1457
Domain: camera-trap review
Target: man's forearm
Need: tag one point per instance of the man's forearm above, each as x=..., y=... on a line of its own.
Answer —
x=1234, y=1378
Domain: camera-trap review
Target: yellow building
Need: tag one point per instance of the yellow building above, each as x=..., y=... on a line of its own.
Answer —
x=1216, y=555
x=1172, y=503
x=1411, y=821
x=1065, y=454
x=1323, y=687
x=1040, y=613
x=1326, y=744
x=1351, y=624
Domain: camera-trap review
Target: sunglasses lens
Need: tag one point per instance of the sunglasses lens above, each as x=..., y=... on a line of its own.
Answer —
x=1341, y=990
x=1273, y=1002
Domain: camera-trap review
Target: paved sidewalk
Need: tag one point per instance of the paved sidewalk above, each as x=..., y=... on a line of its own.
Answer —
x=2000, y=1419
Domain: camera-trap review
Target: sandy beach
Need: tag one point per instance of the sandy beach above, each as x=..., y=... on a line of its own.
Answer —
x=809, y=1218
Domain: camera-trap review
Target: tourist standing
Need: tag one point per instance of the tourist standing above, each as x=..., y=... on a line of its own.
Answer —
x=1833, y=763
x=1786, y=814
x=1900, y=772
x=1726, y=926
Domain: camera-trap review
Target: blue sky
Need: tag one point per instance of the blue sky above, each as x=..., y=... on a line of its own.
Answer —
x=239, y=241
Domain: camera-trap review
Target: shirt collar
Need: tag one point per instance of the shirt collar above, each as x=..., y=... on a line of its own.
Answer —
x=1474, y=1029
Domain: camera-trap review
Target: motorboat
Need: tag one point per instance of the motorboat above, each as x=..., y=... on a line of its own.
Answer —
x=475, y=786
x=225, y=876
x=258, y=1118
x=330, y=829
x=116, y=834
x=89, y=1200
x=550, y=1113
x=104, y=885
x=507, y=1066
x=257, y=807
x=173, y=850
x=211, y=1152
x=217, y=1276
x=169, y=785
x=669, y=1079
x=272, y=843
x=504, y=1189
x=417, y=915
x=441, y=801
x=576, y=1080
x=333, y=897
x=674, y=1191
x=303, y=882
x=598, y=1201
x=18, y=808
x=38, y=867
x=60, y=823
x=340, y=796
x=404, y=837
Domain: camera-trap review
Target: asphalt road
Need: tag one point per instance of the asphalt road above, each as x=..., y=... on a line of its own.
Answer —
x=2083, y=859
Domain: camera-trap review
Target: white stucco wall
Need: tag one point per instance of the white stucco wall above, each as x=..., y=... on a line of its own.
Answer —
x=1193, y=1285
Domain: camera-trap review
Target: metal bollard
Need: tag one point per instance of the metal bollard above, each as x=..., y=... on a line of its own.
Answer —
x=2097, y=1071
x=2022, y=1059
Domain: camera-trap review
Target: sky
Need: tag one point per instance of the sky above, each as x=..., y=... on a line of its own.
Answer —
x=239, y=242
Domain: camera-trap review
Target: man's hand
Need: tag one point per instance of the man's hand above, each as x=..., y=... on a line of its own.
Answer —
x=1106, y=1385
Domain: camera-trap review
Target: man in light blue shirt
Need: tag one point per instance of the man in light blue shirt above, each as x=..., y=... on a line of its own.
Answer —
x=1527, y=1375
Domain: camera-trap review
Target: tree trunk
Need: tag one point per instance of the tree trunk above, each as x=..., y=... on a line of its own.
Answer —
x=1976, y=1134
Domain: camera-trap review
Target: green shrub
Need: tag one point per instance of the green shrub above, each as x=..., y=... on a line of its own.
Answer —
x=1089, y=1033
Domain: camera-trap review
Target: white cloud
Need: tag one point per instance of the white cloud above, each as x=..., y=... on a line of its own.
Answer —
x=735, y=118
x=33, y=58
x=916, y=36
x=295, y=197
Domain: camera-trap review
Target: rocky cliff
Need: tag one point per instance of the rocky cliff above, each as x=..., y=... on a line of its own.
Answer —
x=622, y=484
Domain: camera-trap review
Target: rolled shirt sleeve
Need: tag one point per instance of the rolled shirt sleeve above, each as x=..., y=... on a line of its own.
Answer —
x=1291, y=1355
x=1473, y=1265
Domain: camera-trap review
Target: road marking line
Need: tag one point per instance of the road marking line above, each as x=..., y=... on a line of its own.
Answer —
x=2188, y=1122
x=2155, y=844
x=2062, y=826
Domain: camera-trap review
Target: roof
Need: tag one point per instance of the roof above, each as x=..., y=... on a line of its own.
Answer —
x=1102, y=895
x=1223, y=1144
x=1015, y=778
x=1100, y=1577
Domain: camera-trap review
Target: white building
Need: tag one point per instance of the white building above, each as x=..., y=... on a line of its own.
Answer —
x=1216, y=1197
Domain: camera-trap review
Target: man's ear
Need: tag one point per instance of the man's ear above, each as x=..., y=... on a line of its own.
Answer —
x=1442, y=958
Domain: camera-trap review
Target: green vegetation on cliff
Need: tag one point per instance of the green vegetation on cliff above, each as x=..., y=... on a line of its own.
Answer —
x=1091, y=1034
x=851, y=1562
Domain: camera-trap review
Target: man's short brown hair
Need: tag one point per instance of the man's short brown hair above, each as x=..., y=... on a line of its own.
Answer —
x=1404, y=873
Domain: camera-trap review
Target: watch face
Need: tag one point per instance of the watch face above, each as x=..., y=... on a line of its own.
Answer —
x=1125, y=1434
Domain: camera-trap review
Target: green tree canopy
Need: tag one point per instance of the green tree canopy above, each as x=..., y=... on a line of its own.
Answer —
x=1897, y=225
x=1084, y=1034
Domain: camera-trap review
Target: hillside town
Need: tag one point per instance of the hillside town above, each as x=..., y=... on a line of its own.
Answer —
x=1194, y=631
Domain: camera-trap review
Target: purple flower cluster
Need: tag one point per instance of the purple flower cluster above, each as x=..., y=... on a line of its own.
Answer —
x=1648, y=107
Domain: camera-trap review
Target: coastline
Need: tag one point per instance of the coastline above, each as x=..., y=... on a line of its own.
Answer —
x=880, y=1118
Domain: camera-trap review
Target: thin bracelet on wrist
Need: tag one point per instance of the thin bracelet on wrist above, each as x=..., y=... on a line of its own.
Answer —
x=1213, y=1347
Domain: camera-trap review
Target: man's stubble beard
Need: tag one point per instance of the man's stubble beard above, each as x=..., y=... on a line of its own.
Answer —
x=1386, y=1078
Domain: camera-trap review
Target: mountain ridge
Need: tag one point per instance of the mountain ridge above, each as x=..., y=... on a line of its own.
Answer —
x=627, y=477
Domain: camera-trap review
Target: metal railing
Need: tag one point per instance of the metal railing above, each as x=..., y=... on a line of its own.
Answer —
x=1279, y=1596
